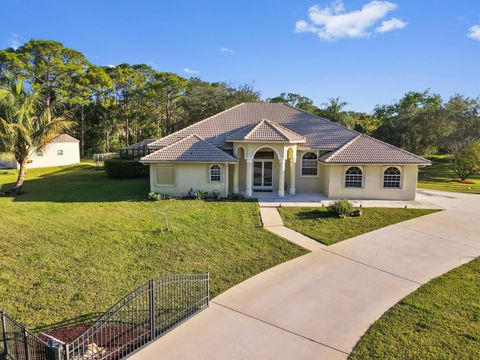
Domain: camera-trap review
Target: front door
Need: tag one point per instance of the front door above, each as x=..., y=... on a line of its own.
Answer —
x=262, y=175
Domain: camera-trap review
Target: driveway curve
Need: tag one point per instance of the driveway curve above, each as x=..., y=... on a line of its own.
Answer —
x=319, y=305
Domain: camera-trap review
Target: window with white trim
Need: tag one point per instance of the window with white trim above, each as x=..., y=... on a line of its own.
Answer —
x=215, y=173
x=392, y=178
x=60, y=152
x=309, y=164
x=353, y=177
x=166, y=175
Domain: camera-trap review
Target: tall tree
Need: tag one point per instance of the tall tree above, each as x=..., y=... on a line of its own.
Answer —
x=26, y=124
x=296, y=100
x=334, y=111
x=44, y=63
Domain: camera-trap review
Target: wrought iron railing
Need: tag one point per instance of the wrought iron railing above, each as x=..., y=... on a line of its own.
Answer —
x=18, y=343
x=140, y=317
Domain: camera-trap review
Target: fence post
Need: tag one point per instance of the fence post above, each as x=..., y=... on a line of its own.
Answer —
x=208, y=289
x=25, y=343
x=151, y=300
x=4, y=332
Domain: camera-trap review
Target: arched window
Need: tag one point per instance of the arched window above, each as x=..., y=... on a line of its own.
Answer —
x=215, y=173
x=353, y=177
x=392, y=178
x=309, y=164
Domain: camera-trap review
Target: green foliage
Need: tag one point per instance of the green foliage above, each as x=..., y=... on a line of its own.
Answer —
x=440, y=176
x=125, y=169
x=77, y=242
x=323, y=225
x=236, y=196
x=155, y=196
x=342, y=208
x=466, y=161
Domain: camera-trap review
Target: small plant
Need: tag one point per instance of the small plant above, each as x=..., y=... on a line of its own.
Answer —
x=342, y=208
x=200, y=195
x=214, y=195
x=154, y=196
x=236, y=196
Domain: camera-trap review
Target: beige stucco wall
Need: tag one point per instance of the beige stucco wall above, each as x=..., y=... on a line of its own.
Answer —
x=372, y=183
x=189, y=176
x=50, y=158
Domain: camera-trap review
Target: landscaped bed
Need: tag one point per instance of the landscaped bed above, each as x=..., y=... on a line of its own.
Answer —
x=325, y=226
x=441, y=320
x=76, y=242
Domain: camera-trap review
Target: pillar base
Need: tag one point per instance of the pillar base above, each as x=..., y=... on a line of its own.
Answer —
x=291, y=191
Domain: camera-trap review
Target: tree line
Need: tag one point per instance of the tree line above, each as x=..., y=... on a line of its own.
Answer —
x=114, y=106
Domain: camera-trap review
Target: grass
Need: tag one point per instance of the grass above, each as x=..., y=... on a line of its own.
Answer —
x=324, y=226
x=440, y=176
x=76, y=242
x=441, y=320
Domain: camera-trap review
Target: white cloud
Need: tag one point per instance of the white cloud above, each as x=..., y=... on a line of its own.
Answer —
x=226, y=50
x=14, y=41
x=333, y=22
x=190, y=71
x=389, y=25
x=474, y=32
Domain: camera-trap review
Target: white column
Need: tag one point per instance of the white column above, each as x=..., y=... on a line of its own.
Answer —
x=293, y=170
x=249, y=172
x=236, y=189
x=281, y=177
x=226, y=180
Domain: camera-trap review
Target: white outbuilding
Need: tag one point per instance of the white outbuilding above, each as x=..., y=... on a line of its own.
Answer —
x=63, y=150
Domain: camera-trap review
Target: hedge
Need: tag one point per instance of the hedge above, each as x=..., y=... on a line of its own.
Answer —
x=125, y=169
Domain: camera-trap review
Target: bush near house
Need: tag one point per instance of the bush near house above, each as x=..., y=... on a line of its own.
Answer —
x=125, y=169
x=342, y=208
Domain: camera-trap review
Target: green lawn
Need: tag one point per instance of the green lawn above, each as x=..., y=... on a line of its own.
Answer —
x=326, y=227
x=76, y=242
x=441, y=320
x=439, y=176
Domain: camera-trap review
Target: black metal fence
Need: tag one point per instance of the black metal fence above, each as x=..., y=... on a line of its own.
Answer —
x=143, y=315
x=20, y=344
x=135, y=154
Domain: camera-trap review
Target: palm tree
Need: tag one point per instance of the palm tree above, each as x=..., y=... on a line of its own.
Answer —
x=26, y=124
x=334, y=111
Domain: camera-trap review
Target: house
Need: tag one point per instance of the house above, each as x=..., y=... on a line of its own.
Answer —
x=63, y=150
x=262, y=147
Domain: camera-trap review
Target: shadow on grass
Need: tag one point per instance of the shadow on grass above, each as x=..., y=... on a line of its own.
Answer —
x=316, y=214
x=79, y=183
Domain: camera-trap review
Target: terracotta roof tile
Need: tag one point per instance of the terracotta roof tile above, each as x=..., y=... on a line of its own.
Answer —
x=318, y=132
x=266, y=130
x=189, y=149
x=366, y=150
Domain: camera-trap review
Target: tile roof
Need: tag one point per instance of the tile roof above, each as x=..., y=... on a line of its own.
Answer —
x=265, y=130
x=364, y=149
x=64, y=138
x=319, y=133
x=189, y=149
x=140, y=145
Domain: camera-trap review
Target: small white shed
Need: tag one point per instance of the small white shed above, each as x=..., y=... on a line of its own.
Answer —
x=63, y=150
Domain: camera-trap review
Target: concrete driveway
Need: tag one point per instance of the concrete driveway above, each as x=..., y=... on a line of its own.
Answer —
x=319, y=305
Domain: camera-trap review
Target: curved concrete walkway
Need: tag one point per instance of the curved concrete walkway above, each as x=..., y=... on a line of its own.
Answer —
x=319, y=305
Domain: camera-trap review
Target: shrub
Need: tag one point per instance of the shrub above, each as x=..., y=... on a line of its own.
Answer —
x=466, y=161
x=342, y=208
x=236, y=196
x=125, y=169
x=200, y=195
x=154, y=196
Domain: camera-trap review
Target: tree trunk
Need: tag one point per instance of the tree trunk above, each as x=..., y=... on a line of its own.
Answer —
x=17, y=189
x=82, y=132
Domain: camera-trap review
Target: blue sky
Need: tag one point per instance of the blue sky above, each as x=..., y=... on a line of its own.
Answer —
x=362, y=56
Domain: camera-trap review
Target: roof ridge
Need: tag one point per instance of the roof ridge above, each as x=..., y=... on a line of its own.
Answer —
x=396, y=147
x=343, y=147
x=254, y=128
x=198, y=122
x=321, y=118
x=275, y=124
